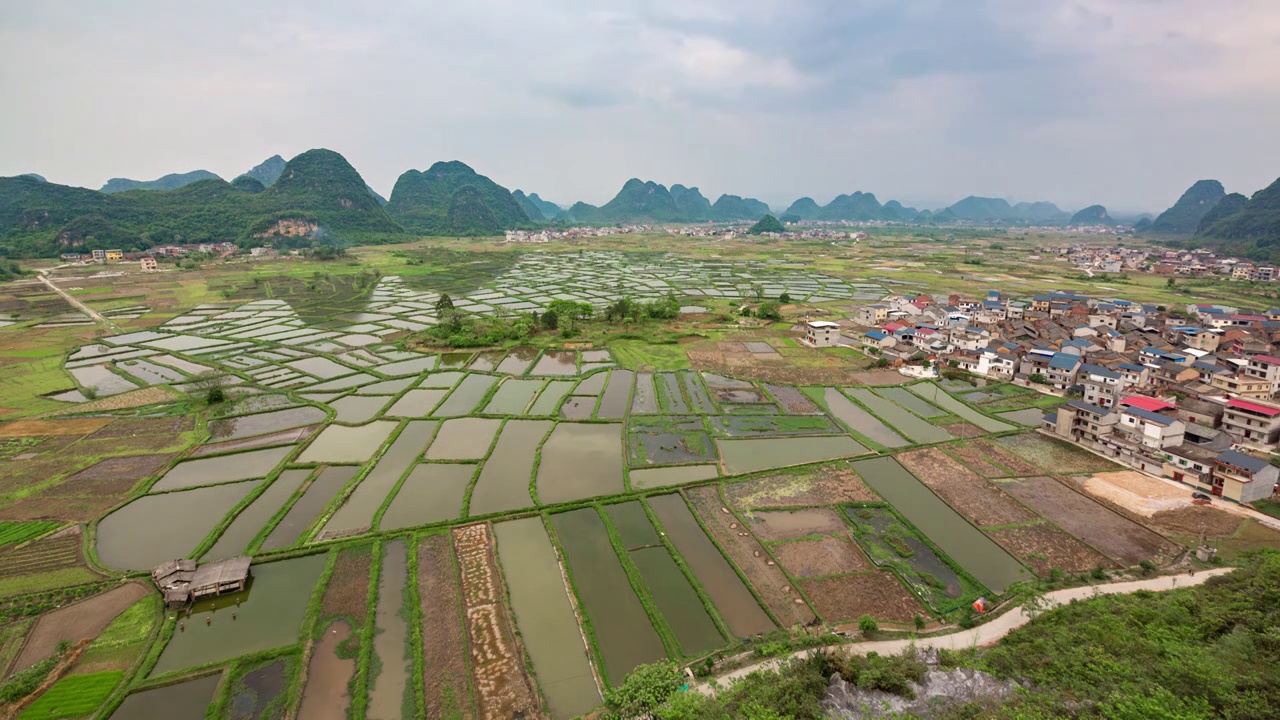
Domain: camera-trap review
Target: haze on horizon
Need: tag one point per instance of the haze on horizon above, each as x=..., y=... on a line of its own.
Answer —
x=1119, y=102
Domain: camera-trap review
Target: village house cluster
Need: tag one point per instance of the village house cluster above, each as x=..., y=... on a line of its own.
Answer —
x=1171, y=263
x=1186, y=393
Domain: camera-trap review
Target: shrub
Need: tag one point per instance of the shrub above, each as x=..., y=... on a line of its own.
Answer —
x=867, y=625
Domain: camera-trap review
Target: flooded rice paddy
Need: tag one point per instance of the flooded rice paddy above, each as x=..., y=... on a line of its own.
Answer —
x=580, y=461
x=504, y=481
x=391, y=643
x=621, y=625
x=323, y=489
x=341, y=444
x=208, y=471
x=463, y=439
x=156, y=528
x=433, y=492
x=184, y=699
x=731, y=596
x=235, y=539
x=975, y=552
x=750, y=455
x=545, y=617
x=325, y=695
x=916, y=429
x=268, y=615
x=861, y=421
x=358, y=511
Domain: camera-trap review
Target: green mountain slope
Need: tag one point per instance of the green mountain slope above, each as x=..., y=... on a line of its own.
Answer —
x=317, y=189
x=1252, y=231
x=172, y=181
x=1185, y=215
x=637, y=202
x=1226, y=207
x=691, y=206
x=805, y=208
x=450, y=198
x=858, y=206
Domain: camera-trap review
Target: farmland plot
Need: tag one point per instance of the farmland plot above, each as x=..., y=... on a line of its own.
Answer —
x=971, y=496
x=765, y=576
x=444, y=646
x=503, y=688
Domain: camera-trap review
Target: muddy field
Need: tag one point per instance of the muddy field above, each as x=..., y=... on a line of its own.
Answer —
x=1043, y=547
x=743, y=549
x=1053, y=456
x=79, y=621
x=133, y=427
x=790, y=524
x=1106, y=531
x=792, y=400
x=444, y=639
x=115, y=476
x=845, y=598
x=976, y=459
x=503, y=686
x=347, y=595
x=1197, y=519
x=325, y=695
x=825, y=556
x=964, y=430
x=968, y=494
x=825, y=485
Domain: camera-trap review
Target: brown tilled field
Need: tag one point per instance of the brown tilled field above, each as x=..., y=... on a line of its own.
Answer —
x=1043, y=547
x=1196, y=519
x=845, y=598
x=1106, y=531
x=1054, y=456
x=114, y=476
x=347, y=595
x=827, y=556
x=825, y=485
x=133, y=427
x=998, y=455
x=792, y=400
x=790, y=524
x=46, y=428
x=976, y=459
x=444, y=639
x=747, y=553
x=970, y=495
x=503, y=686
x=79, y=621
x=964, y=430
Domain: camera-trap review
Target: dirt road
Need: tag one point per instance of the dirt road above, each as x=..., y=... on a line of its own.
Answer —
x=97, y=316
x=983, y=634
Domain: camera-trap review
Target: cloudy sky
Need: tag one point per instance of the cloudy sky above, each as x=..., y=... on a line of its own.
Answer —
x=1123, y=102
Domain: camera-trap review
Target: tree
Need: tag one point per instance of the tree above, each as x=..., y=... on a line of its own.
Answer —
x=784, y=298
x=208, y=387
x=444, y=304
x=867, y=625
x=1039, y=379
x=770, y=310
x=919, y=622
x=550, y=319
x=645, y=690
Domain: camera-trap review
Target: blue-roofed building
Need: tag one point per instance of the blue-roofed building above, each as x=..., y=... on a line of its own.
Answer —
x=877, y=340
x=1061, y=370
x=1243, y=478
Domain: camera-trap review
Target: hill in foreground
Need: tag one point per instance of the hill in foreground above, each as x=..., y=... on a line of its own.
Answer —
x=1185, y=215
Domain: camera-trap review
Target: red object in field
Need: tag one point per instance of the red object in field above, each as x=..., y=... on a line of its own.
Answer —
x=1199, y=501
x=980, y=605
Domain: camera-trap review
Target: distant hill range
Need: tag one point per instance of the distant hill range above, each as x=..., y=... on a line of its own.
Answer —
x=172, y=181
x=449, y=198
x=1092, y=215
x=642, y=201
x=537, y=208
x=315, y=190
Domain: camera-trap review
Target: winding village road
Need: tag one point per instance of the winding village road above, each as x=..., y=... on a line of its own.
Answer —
x=94, y=314
x=981, y=635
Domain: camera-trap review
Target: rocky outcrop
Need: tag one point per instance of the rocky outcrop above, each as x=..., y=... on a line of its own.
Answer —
x=937, y=690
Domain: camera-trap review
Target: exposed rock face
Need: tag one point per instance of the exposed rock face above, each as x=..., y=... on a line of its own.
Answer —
x=939, y=689
x=289, y=228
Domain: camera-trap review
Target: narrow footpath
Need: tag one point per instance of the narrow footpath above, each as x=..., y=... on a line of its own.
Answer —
x=981, y=635
x=94, y=314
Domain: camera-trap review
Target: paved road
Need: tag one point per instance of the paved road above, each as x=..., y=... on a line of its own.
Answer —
x=97, y=316
x=986, y=633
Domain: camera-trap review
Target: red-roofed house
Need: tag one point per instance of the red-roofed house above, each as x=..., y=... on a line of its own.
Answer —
x=1149, y=404
x=1254, y=423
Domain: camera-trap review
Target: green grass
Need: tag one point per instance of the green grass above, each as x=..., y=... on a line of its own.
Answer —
x=131, y=627
x=23, y=584
x=73, y=696
x=12, y=533
x=1269, y=507
x=639, y=355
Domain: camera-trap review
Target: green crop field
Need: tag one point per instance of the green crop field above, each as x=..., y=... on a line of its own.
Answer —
x=73, y=696
x=12, y=533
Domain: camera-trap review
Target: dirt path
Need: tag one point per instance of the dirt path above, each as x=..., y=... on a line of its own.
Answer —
x=983, y=634
x=97, y=316
x=81, y=620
